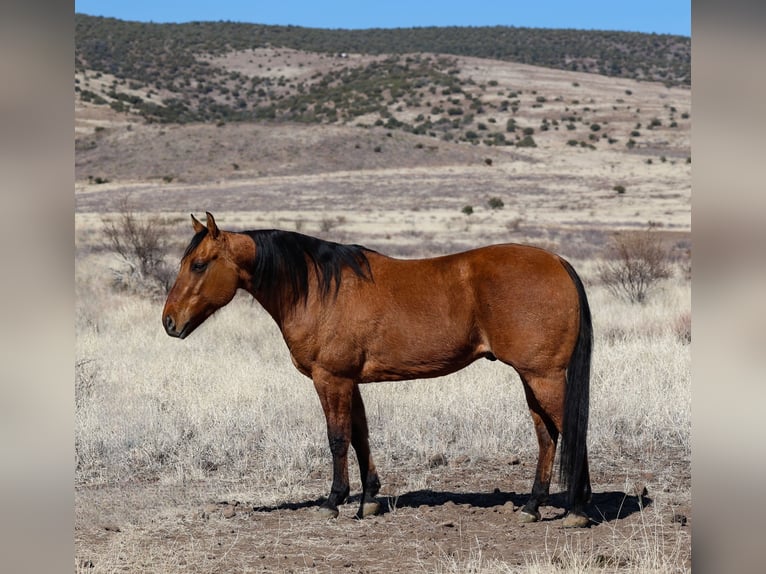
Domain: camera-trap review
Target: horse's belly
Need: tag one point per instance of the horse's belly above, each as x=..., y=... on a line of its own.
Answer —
x=418, y=362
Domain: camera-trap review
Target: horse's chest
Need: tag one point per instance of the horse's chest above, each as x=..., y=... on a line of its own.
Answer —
x=334, y=352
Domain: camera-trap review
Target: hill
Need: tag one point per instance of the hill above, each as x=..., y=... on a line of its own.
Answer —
x=180, y=73
x=312, y=135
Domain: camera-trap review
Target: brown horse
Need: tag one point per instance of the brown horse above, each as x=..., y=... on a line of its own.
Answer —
x=350, y=315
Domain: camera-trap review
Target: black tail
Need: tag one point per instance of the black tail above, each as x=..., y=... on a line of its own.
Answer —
x=572, y=469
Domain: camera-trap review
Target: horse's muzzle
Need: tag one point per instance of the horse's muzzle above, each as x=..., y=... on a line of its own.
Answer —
x=171, y=329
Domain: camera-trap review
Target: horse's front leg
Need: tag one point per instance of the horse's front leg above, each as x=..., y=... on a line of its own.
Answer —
x=335, y=395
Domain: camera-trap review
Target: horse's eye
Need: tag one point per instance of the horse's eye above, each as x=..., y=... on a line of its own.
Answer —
x=198, y=266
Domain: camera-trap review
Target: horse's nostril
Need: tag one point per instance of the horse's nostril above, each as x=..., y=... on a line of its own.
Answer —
x=169, y=323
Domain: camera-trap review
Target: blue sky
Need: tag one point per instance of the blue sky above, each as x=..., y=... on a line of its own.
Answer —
x=659, y=16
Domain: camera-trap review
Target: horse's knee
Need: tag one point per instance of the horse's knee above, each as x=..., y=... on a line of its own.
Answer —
x=338, y=444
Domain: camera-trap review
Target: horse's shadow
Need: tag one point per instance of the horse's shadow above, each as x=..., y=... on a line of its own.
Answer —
x=604, y=506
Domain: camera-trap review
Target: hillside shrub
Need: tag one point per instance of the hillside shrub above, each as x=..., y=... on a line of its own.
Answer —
x=495, y=203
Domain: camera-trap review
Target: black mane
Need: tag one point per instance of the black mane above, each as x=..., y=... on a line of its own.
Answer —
x=282, y=260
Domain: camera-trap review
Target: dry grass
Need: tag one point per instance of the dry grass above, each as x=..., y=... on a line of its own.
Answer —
x=228, y=399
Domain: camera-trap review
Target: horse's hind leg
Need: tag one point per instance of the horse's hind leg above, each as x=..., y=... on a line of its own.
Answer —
x=360, y=442
x=546, y=402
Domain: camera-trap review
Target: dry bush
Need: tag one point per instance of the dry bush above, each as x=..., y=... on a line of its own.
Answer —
x=682, y=327
x=636, y=263
x=86, y=379
x=140, y=243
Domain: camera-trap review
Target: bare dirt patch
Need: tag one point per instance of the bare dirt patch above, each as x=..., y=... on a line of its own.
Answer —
x=463, y=517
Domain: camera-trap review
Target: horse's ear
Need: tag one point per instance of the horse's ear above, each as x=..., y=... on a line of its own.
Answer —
x=212, y=228
x=197, y=225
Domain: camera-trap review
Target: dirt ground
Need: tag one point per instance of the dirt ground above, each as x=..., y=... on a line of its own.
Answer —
x=465, y=518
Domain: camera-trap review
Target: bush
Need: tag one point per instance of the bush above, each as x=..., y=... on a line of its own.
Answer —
x=636, y=264
x=495, y=203
x=140, y=243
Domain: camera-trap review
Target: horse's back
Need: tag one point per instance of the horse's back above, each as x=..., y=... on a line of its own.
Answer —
x=507, y=270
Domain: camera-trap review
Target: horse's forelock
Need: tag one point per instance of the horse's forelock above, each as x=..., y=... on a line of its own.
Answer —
x=195, y=241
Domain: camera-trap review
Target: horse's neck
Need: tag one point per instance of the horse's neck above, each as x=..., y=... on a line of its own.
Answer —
x=277, y=300
x=291, y=316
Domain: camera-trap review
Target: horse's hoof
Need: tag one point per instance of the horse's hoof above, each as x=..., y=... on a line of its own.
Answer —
x=327, y=513
x=369, y=509
x=526, y=516
x=572, y=520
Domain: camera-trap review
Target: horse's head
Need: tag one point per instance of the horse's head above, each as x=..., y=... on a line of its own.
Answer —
x=207, y=280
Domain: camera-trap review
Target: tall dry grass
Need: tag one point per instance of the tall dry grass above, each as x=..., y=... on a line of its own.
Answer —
x=228, y=399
